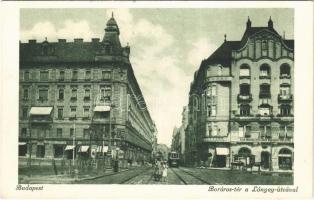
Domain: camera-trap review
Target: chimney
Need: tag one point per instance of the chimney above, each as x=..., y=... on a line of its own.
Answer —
x=62, y=40
x=32, y=41
x=78, y=39
x=248, y=23
x=95, y=39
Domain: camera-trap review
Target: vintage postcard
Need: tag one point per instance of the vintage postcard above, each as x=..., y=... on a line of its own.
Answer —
x=184, y=100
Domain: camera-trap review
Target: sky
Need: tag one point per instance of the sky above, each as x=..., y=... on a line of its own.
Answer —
x=167, y=45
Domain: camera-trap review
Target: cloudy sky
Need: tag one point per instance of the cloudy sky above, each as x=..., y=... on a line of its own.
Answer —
x=167, y=45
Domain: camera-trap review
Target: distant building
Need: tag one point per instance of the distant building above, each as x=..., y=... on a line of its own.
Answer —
x=82, y=97
x=178, y=142
x=241, y=103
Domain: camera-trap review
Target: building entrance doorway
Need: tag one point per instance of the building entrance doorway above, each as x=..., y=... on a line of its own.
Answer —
x=265, y=160
x=220, y=160
x=285, y=159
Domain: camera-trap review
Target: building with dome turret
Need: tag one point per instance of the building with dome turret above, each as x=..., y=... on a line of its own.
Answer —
x=82, y=97
x=241, y=103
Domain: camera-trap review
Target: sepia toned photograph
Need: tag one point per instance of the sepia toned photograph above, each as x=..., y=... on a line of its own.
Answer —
x=156, y=96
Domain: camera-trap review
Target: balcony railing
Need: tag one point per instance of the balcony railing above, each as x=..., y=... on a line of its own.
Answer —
x=216, y=139
x=279, y=140
x=285, y=76
x=264, y=76
x=287, y=97
x=244, y=97
x=264, y=95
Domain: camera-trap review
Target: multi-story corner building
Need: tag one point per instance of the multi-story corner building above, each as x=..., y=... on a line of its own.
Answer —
x=82, y=96
x=178, y=136
x=241, y=103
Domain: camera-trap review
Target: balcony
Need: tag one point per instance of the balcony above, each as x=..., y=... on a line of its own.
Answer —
x=265, y=95
x=38, y=119
x=219, y=79
x=267, y=140
x=287, y=97
x=244, y=117
x=244, y=77
x=216, y=139
x=244, y=97
x=264, y=77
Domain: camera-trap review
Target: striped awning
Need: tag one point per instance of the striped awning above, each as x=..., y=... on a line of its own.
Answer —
x=83, y=148
x=40, y=111
x=102, y=109
x=69, y=147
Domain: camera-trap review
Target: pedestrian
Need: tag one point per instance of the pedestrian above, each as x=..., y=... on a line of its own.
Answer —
x=164, y=172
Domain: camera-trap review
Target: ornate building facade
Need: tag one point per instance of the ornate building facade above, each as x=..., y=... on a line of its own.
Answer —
x=82, y=97
x=241, y=103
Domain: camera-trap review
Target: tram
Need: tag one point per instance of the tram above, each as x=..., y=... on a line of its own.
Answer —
x=173, y=159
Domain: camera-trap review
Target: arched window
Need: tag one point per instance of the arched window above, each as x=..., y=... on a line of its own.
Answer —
x=264, y=109
x=265, y=70
x=264, y=45
x=284, y=71
x=285, y=159
x=219, y=70
x=244, y=70
x=244, y=151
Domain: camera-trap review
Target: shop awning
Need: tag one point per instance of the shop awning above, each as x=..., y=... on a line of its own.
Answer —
x=222, y=151
x=104, y=149
x=69, y=147
x=40, y=111
x=22, y=143
x=83, y=148
x=102, y=109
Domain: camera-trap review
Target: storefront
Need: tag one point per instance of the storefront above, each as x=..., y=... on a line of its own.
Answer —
x=221, y=156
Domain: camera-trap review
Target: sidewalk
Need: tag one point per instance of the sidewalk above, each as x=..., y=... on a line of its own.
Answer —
x=63, y=179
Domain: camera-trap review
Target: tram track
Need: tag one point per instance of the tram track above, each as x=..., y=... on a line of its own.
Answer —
x=190, y=174
x=134, y=176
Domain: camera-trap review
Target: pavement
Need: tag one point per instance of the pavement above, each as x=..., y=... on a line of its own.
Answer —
x=63, y=178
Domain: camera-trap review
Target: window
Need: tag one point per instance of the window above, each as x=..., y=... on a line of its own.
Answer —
x=219, y=70
x=86, y=133
x=24, y=132
x=88, y=75
x=44, y=75
x=86, y=111
x=284, y=90
x=244, y=131
x=264, y=110
x=74, y=94
x=213, y=112
x=285, y=71
x=71, y=132
x=61, y=94
x=102, y=93
x=59, y=132
x=87, y=94
x=43, y=94
x=214, y=90
x=245, y=110
x=25, y=94
x=40, y=151
x=61, y=75
x=264, y=70
x=26, y=76
x=24, y=112
x=74, y=75
x=214, y=131
x=60, y=113
x=265, y=91
x=106, y=74
x=265, y=131
x=244, y=70
x=209, y=110
x=285, y=110
x=264, y=45
x=245, y=89
x=73, y=111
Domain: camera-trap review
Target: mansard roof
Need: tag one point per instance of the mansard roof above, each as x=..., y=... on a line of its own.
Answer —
x=78, y=51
